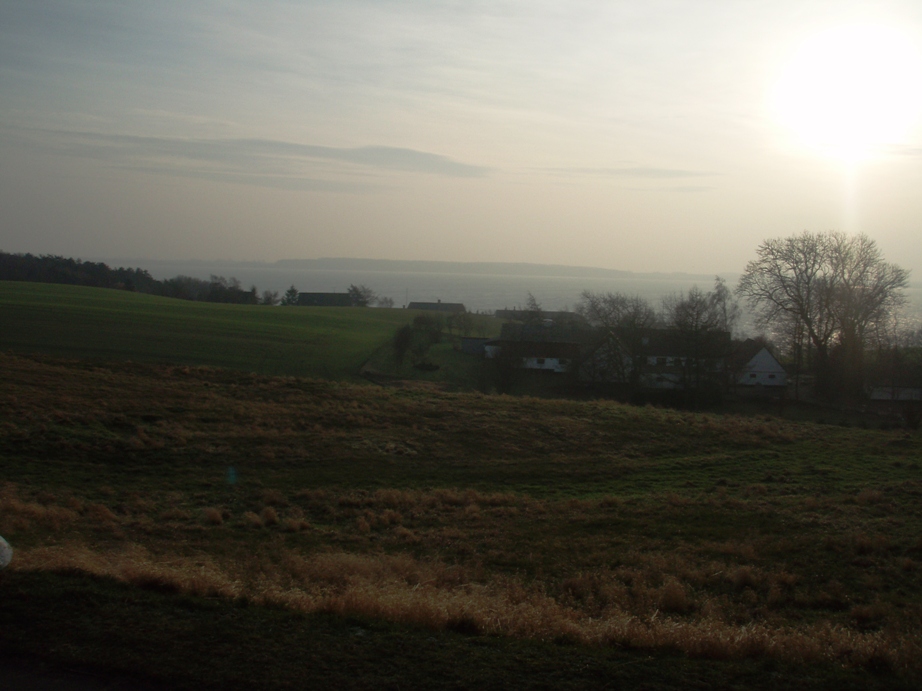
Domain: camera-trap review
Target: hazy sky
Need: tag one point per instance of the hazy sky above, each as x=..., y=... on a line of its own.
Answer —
x=621, y=134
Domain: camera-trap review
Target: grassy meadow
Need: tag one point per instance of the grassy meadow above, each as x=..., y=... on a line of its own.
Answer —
x=100, y=324
x=321, y=532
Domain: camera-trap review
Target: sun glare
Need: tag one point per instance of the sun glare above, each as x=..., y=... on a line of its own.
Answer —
x=851, y=91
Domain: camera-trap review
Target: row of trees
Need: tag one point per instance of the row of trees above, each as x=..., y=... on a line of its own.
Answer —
x=55, y=269
x=699, y=324
x=829, y=300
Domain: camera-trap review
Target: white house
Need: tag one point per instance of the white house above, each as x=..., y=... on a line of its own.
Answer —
x=531, y=355
x=762, y=369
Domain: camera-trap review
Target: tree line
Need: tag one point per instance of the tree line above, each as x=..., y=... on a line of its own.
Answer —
x=49, y=268
x=830, y=303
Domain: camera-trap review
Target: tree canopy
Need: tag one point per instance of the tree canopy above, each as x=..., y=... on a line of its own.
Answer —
x=832, y=289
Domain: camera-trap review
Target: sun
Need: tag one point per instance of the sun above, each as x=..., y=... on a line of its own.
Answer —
x=851, y=91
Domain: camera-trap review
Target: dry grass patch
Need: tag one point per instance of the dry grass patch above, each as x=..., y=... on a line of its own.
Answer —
x=269, y=516
x=274, y=497
x=295, y=525
x=869, y=497
x=439, y=596
x=175, y=514
x=19, y=515
x=673, y=598
x=212, y=516
x=252, y=520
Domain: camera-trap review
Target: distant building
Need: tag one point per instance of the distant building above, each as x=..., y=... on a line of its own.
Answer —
x=755, y=366
x=324, y=300
x=451, y=307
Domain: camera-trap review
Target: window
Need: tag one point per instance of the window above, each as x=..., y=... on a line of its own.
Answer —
x=771, y=376
x=540, y=360
x=661, y=361
x=753, y=375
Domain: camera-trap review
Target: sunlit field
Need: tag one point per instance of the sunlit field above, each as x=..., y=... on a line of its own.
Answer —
x=622, y=531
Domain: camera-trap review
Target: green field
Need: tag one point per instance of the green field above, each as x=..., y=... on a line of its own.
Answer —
x=74, y=321
x=194, y=526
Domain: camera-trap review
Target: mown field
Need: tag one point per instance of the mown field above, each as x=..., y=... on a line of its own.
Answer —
x=205, y=527
x=95, y=323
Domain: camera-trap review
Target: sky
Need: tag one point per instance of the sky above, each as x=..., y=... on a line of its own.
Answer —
x=643, y=136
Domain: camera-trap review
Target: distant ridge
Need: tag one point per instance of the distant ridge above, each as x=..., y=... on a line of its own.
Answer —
x=477, y=268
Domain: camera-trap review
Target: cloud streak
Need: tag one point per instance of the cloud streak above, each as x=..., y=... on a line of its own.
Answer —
x=634, y=172
x=264, y=162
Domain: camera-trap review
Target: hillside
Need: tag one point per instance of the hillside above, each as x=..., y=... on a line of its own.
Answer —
x=75, y=321
x=583, y=536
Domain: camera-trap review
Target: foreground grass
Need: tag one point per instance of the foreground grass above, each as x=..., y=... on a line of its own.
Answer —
x=551, y=523
x=184, y=641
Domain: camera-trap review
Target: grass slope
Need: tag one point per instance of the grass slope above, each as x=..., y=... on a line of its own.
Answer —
x=729, y=551
x=75, y=321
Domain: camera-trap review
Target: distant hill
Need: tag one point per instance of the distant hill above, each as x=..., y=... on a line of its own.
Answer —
x=486, y=268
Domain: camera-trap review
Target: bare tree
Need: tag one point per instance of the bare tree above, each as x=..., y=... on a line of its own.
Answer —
x=837, y=287
x=868, y=291
x=701, y=333
x=623, y=322
x=533, y=310
x=725, y=305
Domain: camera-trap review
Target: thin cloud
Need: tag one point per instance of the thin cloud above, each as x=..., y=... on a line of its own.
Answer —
x=264, y=162
x=635, y=172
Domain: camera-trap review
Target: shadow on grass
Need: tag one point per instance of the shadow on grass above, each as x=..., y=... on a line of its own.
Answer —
x=108, y=634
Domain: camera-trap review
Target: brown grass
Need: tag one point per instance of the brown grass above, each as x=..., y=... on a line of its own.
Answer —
x=673, y=599
x=295, y=525
x=274, y=497
x=252, y=520
x=175, y=514
x=269, y=516
x=869, y=496
x=439, y=596
x=17, y=514
x=212, y=516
